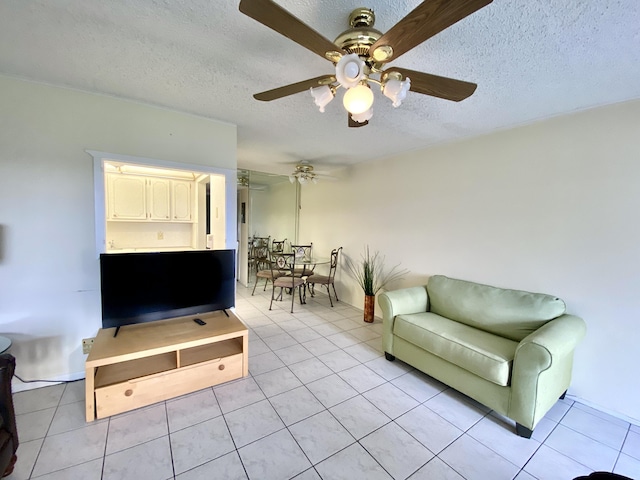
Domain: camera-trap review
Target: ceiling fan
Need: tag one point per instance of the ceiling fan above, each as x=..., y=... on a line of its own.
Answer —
x=304, y=173
x=360, y=55
x=243, y=182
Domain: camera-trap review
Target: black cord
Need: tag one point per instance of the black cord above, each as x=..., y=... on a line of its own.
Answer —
x=47, y=381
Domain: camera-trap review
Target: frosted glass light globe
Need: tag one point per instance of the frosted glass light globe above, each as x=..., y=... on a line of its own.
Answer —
x=358, y=99
x=362, y=117
x=321, y=96
x=396, y=90
x=350, y=70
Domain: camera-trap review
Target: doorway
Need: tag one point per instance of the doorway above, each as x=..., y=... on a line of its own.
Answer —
x=267, y=206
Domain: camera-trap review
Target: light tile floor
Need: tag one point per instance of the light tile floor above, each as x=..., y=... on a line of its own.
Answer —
x=320, y=402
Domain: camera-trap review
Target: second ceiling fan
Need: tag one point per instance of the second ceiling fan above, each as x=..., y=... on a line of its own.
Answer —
x=360, y=55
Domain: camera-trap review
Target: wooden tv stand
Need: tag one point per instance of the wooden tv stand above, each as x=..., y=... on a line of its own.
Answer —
x=151, y=362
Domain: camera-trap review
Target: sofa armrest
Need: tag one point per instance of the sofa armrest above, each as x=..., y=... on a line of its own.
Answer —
x=542, y=367
x=558, y=336
x=400, y=302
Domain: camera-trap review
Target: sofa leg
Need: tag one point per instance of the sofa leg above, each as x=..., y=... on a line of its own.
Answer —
x=389, y=357
x=523, y=431
x=562, y=396
x=10, y=467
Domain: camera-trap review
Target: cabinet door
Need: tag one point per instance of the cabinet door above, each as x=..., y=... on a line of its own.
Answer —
x=159, y=195
x=127, y=197
x=181, y=201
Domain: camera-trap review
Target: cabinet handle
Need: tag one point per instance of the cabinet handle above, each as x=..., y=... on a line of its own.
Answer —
x=128, y=393
x=221, y=367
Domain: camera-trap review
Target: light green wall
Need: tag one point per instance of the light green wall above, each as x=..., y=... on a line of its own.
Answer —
x=49, y=277
x=550, y=207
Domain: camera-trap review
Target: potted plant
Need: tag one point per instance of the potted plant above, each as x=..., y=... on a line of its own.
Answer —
x=372, y=277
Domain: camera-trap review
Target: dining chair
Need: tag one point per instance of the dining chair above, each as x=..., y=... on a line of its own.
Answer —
x=255, y=244
x=251, y=259
x=326, y=280
x=303, y=252
x=261, y=252
x=261, y=241
x=268, y=274
x=278, y=245
x=282, y=268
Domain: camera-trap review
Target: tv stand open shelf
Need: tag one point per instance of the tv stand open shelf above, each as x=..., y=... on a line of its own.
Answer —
x=151, y=362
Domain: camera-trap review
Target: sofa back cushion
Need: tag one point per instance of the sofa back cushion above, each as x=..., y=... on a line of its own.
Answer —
x=513, y=314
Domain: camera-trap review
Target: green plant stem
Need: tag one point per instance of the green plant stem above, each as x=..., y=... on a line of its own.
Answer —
x=370, y=273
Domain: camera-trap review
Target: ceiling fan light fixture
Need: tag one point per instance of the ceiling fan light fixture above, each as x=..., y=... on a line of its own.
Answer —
x=396, y=90
x=350, y=70
x=358, y=100
x=303, y=173
x=362, y=117
x=322, y=96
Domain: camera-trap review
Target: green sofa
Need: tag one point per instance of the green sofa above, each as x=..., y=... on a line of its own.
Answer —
x=508, y=349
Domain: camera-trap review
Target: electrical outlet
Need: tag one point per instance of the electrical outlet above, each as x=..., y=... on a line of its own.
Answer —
x=160, y=235
x=87, y=343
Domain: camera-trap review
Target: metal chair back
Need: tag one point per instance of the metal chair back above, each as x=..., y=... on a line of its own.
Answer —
x=278, y=245
x=282, y=263
x=302, y=251
x=334, y=263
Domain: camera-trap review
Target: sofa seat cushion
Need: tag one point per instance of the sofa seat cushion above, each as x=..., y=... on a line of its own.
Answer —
x=481, y=353
x=509, y=313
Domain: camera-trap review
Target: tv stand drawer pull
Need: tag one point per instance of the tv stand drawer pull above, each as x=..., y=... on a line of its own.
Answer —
x=128, y=392
x=221, y=366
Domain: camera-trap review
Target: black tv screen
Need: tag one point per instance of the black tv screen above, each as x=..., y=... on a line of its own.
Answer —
x=144, y=287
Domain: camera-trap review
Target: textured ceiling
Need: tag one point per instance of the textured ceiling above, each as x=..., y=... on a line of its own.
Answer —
x=531, y=60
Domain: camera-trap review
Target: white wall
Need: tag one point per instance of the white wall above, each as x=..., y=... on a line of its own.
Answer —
x=279, y=212
x=550, y=207
x=49, y=277
x=273, y=211
x=244, y=233
x=219, y=222
x=258, y=206
x=145, y=235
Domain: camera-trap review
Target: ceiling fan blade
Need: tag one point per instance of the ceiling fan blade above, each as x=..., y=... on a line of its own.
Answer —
x=294, y=88
x=441, y=87
x=354, y=124
x=277, y=18
x=425, y=21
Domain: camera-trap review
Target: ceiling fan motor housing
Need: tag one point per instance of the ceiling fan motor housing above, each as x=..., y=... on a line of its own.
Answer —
x=359, y=38
x=362, y=17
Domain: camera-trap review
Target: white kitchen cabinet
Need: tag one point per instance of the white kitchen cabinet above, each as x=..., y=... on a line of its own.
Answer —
x=127, y=197
x=159, y=194
x=181, y=201
x=155, y=199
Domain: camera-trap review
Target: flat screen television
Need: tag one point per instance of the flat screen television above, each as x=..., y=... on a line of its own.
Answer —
x=144, y=287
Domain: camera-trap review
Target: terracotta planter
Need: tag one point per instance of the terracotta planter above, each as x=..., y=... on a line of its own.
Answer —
x=369, y=308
